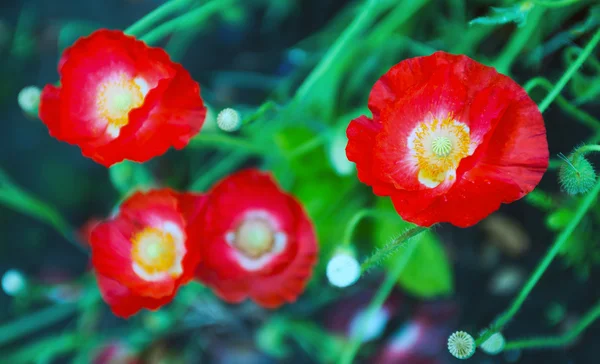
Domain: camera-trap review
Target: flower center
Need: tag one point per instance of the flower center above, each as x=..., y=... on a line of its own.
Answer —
x=116, y=97
x=154, y=250
x=438, y=147
x=441, y=146
x=254, y=237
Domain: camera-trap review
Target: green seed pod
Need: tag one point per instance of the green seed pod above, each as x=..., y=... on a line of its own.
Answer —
x=461, y=345
x=494, y=344
x=577, y=174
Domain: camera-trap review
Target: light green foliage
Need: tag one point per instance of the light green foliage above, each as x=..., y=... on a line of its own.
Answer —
x=128, y=176
x=514, y=14
x=428, y=273
x=274, y=335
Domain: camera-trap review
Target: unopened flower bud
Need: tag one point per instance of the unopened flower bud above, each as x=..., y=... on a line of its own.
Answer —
x=343, y=269
x=29, y=100
x=576, y=175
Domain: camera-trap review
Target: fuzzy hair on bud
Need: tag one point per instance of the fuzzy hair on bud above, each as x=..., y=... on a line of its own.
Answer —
x=576, y=175
x=461, y=345
x=229, y=120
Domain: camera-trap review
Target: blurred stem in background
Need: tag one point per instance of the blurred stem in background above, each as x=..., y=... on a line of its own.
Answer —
x=581, y=211
x=516, y=43
x=149, y=21
x=16, y=198
x=351, y=349
x=557, y=341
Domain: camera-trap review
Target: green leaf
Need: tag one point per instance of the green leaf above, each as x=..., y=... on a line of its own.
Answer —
x=428, y=273
x=514, y=14
x=127, y=176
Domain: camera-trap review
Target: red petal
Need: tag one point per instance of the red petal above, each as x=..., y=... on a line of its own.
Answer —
x=284, y=277
x=123, y=302
x=171, y=114
x=511, y=152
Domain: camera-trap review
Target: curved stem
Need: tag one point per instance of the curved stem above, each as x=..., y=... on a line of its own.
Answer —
x=19, y=200
x=562, y=340
x=155, y=16
x=522, y=35
x=588, y=149
x=578, y=114
x=378, y=300
x=504, y=318
x=185, y=21
x=566, y=77
x=357, y=218
x=390, y=248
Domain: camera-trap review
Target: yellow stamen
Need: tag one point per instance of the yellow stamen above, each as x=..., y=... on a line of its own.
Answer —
x=116, y=97
x=154, y=250
x=439, y=146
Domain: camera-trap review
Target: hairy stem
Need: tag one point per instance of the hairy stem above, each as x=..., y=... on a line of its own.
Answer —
x=378, y=300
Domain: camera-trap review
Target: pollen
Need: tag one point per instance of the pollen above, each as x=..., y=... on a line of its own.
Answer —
x=438, y=146
x=116, y=96
x=154, y=250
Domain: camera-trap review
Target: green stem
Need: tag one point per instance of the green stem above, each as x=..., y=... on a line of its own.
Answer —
x=566, y=77
x=390, y=248
x=562, y=238
x=562, y=340
x=555, y=4
x=588, y=149
x=576, y=113
x=357, y=218
x=26, y=325
x=378, y=300
x=226, y=142
x=522, y=35
x=149, y=20
x=307, y=146
x=229, y=162
x=19, y=200
x=186, y=21
x=358, y=24
x=46, y=349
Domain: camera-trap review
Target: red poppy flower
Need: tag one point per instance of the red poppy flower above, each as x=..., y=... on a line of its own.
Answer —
x=143, y=254
x=450, y=140
x=257, y=241
x=120, y=99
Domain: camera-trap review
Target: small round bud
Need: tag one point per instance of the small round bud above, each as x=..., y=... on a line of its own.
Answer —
x=343, y=270
x=229, y=120
x=461, y=345
x=13, y=282
x=29, y=100
x=494, y=344
x=577, y=174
